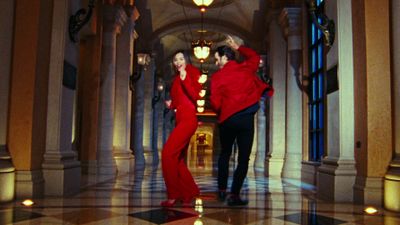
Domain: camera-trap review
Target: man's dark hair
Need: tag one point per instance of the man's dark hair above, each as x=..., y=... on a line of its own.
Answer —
x=185, y=55
x=226, y=51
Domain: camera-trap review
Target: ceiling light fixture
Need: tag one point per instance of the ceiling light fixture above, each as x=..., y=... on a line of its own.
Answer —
x=201, y=47
x=203, y=4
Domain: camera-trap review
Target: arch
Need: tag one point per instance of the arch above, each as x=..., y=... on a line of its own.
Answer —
x=215, y=24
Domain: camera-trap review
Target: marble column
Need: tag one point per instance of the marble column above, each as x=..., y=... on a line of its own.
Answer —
x=392, y=177
x=138, y=125
x=122, y=122
x=260, y=144
x=89, y=91
x=143, y=115
x=26, y=135
x=374, y=140
x=260, y=126
x=61, y=170
x=7, y=170
x=113, y=20
x=155, y=126
x=148, y=117
x=277, y=65
x=290, y=20
x=337, y=172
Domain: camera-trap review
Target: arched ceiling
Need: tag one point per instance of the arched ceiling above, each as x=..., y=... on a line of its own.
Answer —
x=165, y=26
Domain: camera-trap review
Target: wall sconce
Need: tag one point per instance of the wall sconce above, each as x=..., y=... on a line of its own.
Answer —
x=143, y=60
x=157, y=96
x=76, y=22
x=327, y=26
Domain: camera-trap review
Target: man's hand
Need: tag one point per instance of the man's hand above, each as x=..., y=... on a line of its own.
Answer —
x=231, y=42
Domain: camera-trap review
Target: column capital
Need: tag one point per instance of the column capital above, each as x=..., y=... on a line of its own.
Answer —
x=290, y=21
x=114, y=18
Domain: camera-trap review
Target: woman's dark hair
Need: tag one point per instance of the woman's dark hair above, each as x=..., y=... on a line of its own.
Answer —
x=185, y=55
x=226, y=51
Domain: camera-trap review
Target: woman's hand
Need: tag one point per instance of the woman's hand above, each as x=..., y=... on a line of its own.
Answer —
x=168, y=103
x=231, y=42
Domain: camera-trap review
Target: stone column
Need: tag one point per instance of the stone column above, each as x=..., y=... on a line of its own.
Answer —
x=155, y=125
x=392, y=177
x=260, y=144
x=290, y=20
x=61, y=170
x=26, y=135
x=122, y=122
x=277, y=65
x=143, y=115
x=336, y=174
x=148, y=117
x=7, y=170
x=139, y=111
x=374, y=148
x=89, y=90
x=114, y=18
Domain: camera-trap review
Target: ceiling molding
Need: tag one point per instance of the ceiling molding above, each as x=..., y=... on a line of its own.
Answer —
x=214, y=25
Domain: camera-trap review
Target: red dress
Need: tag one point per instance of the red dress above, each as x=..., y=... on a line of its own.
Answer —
x=177, y=177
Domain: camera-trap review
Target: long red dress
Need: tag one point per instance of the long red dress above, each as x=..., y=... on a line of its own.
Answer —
x=178, y=179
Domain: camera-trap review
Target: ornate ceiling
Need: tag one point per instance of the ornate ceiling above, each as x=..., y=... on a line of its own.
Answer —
x=165, y=26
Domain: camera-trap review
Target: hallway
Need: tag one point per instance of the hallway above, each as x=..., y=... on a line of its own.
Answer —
x=84, y=87
x=135, y=199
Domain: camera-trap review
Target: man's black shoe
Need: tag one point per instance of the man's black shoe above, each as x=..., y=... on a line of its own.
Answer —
x=221, y=195
x=236, y=201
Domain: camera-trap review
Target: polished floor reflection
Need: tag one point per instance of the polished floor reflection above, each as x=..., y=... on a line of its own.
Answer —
x=135, y=199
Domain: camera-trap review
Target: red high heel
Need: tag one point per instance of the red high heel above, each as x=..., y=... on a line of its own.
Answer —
x=168, y=203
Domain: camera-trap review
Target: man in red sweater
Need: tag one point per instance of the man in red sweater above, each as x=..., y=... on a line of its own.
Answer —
x=235, y=93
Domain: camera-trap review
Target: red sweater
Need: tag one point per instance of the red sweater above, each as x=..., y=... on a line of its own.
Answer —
x=186, y=92
x=236, y=86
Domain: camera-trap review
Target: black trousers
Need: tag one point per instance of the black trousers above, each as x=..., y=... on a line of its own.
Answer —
x=240, y=128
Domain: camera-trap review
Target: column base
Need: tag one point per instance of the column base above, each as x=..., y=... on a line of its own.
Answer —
x=151, y=158
x=29, y=184
x=292, y=166
x=336, y=179
x=309, y=171
x=89, y=167
x=7, y=181
x=106, y=163
x=63, y=181
x=259, y=162
x=123, y=159
x=392, y=187
x=273, y=167
x=368, y=190
x=106, y=169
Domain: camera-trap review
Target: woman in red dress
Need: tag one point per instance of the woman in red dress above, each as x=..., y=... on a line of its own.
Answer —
x=184, y=94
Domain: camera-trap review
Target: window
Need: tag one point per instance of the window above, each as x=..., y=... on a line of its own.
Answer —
x=317, y=90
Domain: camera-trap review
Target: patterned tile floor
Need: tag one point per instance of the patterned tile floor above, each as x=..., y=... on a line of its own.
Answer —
x=135, y=199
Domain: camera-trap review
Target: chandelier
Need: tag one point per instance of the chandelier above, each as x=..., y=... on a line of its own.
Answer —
x=203, y=4
x=201, y=47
